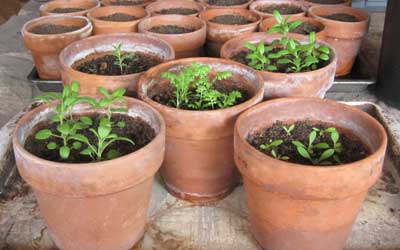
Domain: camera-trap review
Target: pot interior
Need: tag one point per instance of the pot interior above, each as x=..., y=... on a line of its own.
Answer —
x=249, y=15
x=85, y=4
x=64, y=21
x=138, y=12
x=178, y=20
x=329, y=10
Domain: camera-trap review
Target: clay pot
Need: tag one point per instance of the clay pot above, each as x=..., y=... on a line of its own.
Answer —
x=238, y=6
x=199, y=163
x=106, y=27
x=345, y=37
x=46, y=48
x=310, y=3
x=93, y=206
x=257, y=5
x=97, y=46
x=313, y=83
x=158, y=6
x=186, y=44
x=218, y=34
x=295, y=206
x=268, y=23
x=47, y=8
x=137, y=3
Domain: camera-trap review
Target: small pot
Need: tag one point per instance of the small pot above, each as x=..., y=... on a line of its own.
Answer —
x=199, y=163
x=295, y=206
x=313, y=83
x=158, y=6
x=345, y=37
x=88, y=5
x=310, y=3
x=137, y=3
x=101, y=44
x=257, y=5
x=46, y=48
x=93, y=206
x=238, y=6
x=106, y=27
x=185, y=45
x=218, y=34
x=268, y=23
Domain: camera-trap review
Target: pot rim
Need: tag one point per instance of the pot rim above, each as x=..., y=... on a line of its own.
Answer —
x=44, y=7
x=227, y=11
x=253, y=6
x=301, y=18
x=200, y=7
x=334, y=4
x=209, y=6
x=312, y=9
x=116, y=7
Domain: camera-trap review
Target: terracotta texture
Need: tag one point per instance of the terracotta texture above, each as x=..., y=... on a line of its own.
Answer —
x=101, y=44
x=218, y=34
x=345, y=37
x=46, y=8
x=46, y=48
x=93, y=206
x=140, y=3
x=157, y=6
x=310, y=4
x=107, y=27
x=186, y=44
x=239, y=6
x=296, y=206
x=255, y=6
x=199, y=163
x=313, y=83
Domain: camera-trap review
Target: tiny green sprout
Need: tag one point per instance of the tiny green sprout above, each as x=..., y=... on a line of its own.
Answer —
x=109, y=100
x=278, y=156
x=267, y=146
x=121, y=57
x=288, y=129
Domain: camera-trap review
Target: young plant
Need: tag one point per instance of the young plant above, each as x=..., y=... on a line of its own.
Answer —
x=121, y=57
x=288, y=129
x=109, y=100
x=273, y=144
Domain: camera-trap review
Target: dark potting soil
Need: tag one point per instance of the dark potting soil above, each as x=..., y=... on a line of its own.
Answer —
x=342, y=17
x=171, y=29
x=306, y=28
x=327, y=1
x=226, y=2
x=230, y=20
x=67, y=10
x=126, y=2
x=106, y=65
x=136, y=129
x=178, y=11
x=352, y=147
x=118, y=17
x=47, y=29
x=284, y=9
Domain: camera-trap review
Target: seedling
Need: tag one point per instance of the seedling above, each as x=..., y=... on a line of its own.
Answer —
x=278, y=156
x=275, y=143
x=121, y=57
x=288, y=129
x=108, y=101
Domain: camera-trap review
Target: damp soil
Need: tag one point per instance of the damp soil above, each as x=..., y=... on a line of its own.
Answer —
x=284, y=9
x=306, y=28
x=177, y=11
x=49, y=29
x=230, y=20
x=126, y=2
x=327, y=1
x=227, y=2
x=352, y=147
x=107, y=64
x=342, y=17
x=67, y=10
x=136, y=129
x=118, y=17
x=171, y=29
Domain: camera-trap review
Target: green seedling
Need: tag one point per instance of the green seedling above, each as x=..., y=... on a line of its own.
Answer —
x=108, y=102
x=278, y=156
x=121, y=57
x=288, y=129
x=271, y=145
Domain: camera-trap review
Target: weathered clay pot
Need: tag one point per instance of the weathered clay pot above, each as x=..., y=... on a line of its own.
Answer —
x=199, y=163
x=186, y=44
x=106, y=27
x=255, y=6
x=138, y=3
x=99, y=45
x=238, y=6
x=296, y=206
x=158, y=6
x=47, y=8
x=268, y=23
x=345, y=37
x=93, y=206
x=312, y=83
x=310, y=3
x=218, y=34
x=46, y=48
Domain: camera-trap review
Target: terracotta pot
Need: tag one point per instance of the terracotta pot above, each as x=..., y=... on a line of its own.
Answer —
x=93, y=206
x=313, y=83
x=238, y=6
x=310, y=3
x=47, y=8
x=218, y=34
x=295, y=206
x=255, y=6
x=46, y=48
x=186, y=44
x=138, y=3
x=199, y=163
x=100, y=45
x=268, y=23
x=345, y=37
x=106, y=27
x=158, y=6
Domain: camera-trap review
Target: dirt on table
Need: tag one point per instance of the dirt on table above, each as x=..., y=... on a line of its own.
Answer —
x=126, y=2
x=66, y=10
x=51, y=29
x=284, y=9
x=227, y=2
x=118, y=17
x=306, y=28
x=327, y=1
x=178, y=11
x=230, y=20
x=342, y=17
x=171, y=29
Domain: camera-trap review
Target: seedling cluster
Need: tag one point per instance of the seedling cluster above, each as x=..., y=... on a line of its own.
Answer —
x=121, y=57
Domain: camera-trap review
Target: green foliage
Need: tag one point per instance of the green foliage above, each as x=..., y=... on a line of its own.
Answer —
x=121, y=57
x=274, y=154
x=288, y=129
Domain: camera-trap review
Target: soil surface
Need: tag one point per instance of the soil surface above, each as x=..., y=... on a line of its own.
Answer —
x=178, y=11
x=352, y=147
x=136, y=129
x=118, y=17
x=342, y=17
x=284, y=9
x=107, y=64
x=230, y=20
x=306, y=28
x=67, y=10
x=327, y=1
x=226, y=2
x=126, y=2
x=171, y=29
x=47, y=29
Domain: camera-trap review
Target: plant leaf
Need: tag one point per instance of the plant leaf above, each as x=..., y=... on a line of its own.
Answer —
x=51, y=146
x=64, y=152
x=43, y=134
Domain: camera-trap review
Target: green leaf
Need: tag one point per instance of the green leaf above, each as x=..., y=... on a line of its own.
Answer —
x=104, y=91
x=51, y=146
x=324, y=49
x=293, y=25
x=119, y=110
x=112, y=154
x=63, y=128
x=283, y=61
x=75, y=86
x=276, y=143
x=104, y=122
x=64, y=152
x=272, y=68
x=303, y=152
x=43, y=134
x=104, y=131
x=263, y=147
x=121, y=124
x=312, y=137
x=76, y=145
x=273, y=153
x=277, y=16
x=326, y=154
x=298, y=144
x=118, y=93
x=87, y=151
x=103, y=102
x=261, y=48
x=312, y=37
x=79, y=137
x=322, y=145
x=335, y=137
x=248, y=45
x=86, y=120
x=324, y=57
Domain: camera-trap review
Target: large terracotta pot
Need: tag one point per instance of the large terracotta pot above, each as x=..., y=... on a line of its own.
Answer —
x=312, y=83
x=310, y=3
x=46, y=48
x=107, y=27
x=238, y=6
x=257, y=5
x=93, y=206
x=47, y=8
x=158, y=6
x=186, y=44
x=199, y=163
x=218, y=34
x=138, y=3
x=345, y=37
x=97, y=46
x=296, y=206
